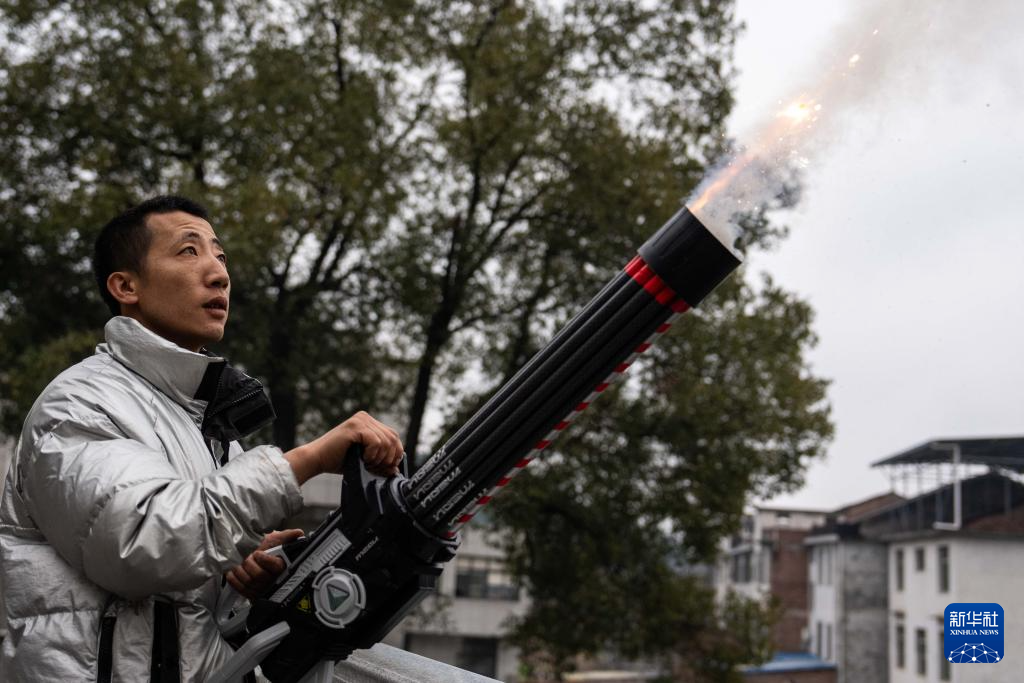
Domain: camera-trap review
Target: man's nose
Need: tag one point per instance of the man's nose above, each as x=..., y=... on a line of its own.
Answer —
x=217, y=274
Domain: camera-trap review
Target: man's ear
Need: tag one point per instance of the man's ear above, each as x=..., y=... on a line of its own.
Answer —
x=123, y=286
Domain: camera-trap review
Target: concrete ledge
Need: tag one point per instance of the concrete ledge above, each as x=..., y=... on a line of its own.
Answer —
x=386, y=664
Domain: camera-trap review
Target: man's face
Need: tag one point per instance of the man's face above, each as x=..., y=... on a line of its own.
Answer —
x=183, y=290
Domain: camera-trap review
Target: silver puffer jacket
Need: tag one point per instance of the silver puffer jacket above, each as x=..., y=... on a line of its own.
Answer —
x=114, y=501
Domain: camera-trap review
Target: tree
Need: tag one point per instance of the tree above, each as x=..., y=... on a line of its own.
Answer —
x=413, y=193
x=399, y=182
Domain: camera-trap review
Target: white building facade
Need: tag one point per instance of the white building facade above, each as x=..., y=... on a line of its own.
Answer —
x=930, y=572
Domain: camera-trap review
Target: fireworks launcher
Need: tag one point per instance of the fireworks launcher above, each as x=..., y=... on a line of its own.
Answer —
x=372, y=560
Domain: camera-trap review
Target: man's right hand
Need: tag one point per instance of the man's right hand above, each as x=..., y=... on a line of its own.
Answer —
x=382, y=449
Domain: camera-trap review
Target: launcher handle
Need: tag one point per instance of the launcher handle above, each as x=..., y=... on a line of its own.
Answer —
x=359, y=485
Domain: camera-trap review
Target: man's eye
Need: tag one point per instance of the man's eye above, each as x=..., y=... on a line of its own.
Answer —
x=223, y=258
x=190, y=250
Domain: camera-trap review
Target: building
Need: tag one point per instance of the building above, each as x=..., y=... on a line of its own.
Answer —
x=848, y=584
x=961, y=542
x=768, y=557
x=882, y=571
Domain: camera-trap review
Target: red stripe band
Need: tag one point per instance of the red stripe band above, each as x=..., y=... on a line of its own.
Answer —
x=643, y=347
x=561, y=425
x=464, y=518
x=654, y=285
x=524, y=462
x=622, y=367
x=601, y=387
x=633, y=267
x=643, y=275
x=582, y=406
x=484, y=500
x=504, y=480
x=663, y=328
x=680, y=306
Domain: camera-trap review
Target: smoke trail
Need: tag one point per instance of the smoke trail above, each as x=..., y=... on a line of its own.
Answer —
x=888, y=52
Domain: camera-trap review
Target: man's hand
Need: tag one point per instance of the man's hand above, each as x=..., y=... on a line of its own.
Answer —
x=382, y=449
x=258, y=571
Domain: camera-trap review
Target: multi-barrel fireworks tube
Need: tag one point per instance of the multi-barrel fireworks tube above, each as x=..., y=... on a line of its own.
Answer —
x=674, y=270
x=371, y=561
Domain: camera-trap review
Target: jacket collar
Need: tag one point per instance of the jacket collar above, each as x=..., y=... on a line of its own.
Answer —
x=173, y=370
x=224, y=402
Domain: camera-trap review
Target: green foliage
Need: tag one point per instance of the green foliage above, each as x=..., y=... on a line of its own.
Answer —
x=413, y=194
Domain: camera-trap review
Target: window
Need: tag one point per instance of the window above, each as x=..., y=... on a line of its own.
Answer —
x=919, y=559
x=899, y=569
x=817, y=641
x=479, y=655
x=901, y=638
x=943, y=568
x=747, y=528
x=944, y=672
x=483, y=577
x=821, y=557
x=828, y=643
x=741, y=567
x=921, y=646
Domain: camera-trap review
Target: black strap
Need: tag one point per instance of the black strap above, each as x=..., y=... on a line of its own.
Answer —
x=164, y=665
x=105, y=656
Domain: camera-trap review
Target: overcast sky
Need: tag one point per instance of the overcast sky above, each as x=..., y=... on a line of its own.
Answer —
x=908, y=240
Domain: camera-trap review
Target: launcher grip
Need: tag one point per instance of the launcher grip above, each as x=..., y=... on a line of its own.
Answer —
x=362, y=570
x=360, y=486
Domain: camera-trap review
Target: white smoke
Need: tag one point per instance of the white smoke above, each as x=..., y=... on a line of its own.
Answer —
x=887, y=52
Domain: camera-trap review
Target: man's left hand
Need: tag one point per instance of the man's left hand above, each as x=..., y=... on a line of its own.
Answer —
x=258, y=571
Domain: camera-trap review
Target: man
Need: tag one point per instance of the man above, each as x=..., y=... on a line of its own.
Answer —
x=128, y=497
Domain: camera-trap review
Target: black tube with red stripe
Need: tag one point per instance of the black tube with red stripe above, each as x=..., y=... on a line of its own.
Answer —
x=675, y=269
x=387, y=546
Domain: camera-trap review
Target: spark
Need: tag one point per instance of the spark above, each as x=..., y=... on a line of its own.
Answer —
x=799, y=111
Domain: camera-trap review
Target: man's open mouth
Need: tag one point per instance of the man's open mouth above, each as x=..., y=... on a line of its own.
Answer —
x=220, y=303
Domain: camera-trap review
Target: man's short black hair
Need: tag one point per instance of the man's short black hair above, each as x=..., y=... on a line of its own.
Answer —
x=124, y=241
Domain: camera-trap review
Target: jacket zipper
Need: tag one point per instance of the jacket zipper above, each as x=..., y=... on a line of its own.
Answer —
x=105, y=657
x=165, y=658
x=220, y=409
x=234, y=402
